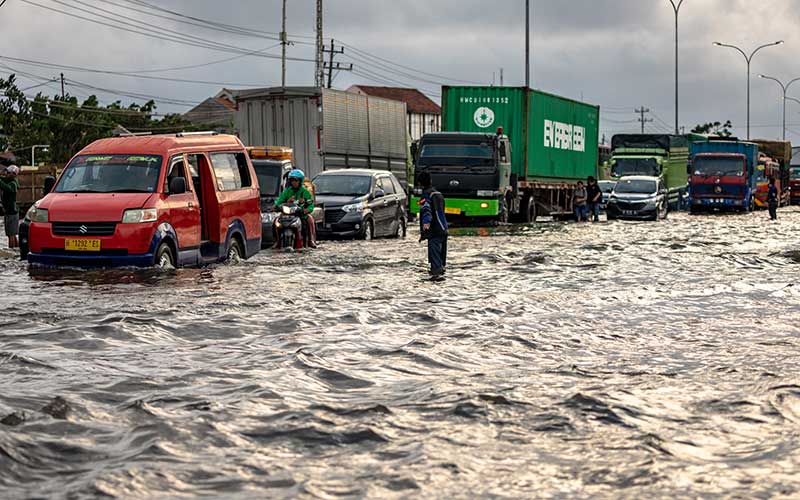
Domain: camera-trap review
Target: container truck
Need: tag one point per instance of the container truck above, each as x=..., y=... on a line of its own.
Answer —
x=723, y=175
x=327, y=129
x=658, y=155
x=508, y=153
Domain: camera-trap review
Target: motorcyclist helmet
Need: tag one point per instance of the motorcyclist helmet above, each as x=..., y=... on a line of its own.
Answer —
x=297, y=174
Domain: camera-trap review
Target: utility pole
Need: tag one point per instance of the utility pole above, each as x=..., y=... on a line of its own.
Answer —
x=641, y=111
x=319, y=77
x=528, y=44
x=284, y=42
x=63, y=94
x=501, y=77
x=331, y=66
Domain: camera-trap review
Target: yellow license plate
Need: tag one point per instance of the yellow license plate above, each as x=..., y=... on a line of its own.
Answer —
x=82, y=245
x=454, y=211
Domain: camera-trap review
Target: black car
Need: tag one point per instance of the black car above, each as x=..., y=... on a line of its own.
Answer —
x=361, y=204
x=271, y=182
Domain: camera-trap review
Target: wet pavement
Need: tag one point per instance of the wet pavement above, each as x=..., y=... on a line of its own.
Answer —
x=622, y=360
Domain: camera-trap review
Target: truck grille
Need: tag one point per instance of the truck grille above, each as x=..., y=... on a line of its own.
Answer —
x=84, y=228
x=333, y=216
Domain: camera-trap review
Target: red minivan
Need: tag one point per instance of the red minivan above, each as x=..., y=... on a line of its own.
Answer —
x=165, y=200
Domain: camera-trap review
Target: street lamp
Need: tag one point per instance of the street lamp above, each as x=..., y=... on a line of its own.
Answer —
x=749, y=60
x=676, y=8
x=43, y=147
x=785, y=89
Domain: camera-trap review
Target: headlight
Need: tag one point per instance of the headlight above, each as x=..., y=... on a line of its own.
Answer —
x=286, y=210
x=355, y=207
x=36, y=214
x=136, y=216
x=268, y=217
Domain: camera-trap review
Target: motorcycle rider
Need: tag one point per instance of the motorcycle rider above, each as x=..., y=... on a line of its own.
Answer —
x=296, y=192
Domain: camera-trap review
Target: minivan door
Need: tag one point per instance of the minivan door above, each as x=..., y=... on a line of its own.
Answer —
x=184, y=208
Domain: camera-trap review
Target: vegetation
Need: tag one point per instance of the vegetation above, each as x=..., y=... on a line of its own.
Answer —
x=68, y=125
x=715, y=128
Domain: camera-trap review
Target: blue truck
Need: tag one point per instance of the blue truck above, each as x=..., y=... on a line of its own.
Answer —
x=723, y=175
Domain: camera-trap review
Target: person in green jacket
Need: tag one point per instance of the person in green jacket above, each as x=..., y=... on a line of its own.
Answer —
x=296, y=192
x=9, y=185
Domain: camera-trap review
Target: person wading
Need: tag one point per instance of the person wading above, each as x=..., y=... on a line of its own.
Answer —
x=772, y=199
x=9, y=185
x=594, y=197
x=579, y=202
x=433, y=225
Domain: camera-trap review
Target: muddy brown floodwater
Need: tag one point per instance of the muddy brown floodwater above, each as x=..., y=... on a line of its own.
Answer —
x=623, y=360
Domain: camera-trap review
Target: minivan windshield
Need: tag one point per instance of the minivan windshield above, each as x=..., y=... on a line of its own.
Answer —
x=111, y=174
x=722, y=166
x=635, y=186
x=794, y=173
x=269, y=175
x=469, y=155
x=342, y=185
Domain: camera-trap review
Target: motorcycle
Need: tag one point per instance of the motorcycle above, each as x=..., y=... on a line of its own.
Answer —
x=289, y=226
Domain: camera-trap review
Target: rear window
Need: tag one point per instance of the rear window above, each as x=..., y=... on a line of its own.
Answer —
x=231, y=171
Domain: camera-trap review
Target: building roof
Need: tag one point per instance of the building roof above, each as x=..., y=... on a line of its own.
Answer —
x=212, y=111
x=416, y=101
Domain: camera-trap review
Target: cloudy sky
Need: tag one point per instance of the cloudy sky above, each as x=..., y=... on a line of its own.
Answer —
x=614, y=53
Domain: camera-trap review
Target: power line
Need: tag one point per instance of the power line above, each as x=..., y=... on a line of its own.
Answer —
x=642, y=111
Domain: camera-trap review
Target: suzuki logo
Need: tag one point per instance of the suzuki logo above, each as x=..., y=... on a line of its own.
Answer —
x=83, y=229
x=454, y=183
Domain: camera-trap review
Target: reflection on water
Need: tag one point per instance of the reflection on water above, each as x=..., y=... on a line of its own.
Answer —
x=557, y=360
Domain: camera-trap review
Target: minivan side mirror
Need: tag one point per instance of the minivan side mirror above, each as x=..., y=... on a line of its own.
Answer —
x=177, y=185
x=414, y=150
x=49, y=184
x=379, y=193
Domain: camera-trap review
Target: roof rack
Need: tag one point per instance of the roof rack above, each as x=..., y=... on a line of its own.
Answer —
x=191, y=134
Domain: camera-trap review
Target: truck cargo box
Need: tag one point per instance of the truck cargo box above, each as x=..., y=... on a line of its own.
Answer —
x=328, y=129
x=553, y=139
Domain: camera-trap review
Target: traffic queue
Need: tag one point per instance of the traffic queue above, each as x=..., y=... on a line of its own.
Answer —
x=192, y=199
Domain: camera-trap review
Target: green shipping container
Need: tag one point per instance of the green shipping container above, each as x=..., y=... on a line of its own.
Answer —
x=552, y=138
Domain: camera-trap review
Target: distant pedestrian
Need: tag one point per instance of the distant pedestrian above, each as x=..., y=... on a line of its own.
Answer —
x=772, y=199
x=9, y=185
x=594, y=197
x=579, y=202
x=433, y=225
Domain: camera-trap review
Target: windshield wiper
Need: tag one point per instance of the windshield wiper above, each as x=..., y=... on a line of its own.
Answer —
x=127, y=191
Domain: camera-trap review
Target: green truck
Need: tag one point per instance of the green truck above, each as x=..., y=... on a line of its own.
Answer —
x=657, y=155
x=509, y=153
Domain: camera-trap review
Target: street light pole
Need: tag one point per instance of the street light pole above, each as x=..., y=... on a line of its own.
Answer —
x=749, y=59
x=33, y=152
x=676, y=8
x=785, y=89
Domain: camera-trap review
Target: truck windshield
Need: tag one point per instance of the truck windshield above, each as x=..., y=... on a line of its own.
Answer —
x=794, y=174
x=724, y=166
x=635, y=166
x=469, y=155
x=635, y=186
x=269, y=177
x=111, y=174
x=342, y=185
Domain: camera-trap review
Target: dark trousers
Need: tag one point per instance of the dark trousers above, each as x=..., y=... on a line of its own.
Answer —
x=773, y=210
x=437, y=254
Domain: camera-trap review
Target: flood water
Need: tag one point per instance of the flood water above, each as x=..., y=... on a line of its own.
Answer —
x=622, y=360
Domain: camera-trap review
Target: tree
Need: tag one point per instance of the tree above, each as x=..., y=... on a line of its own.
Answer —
x=68, y=125
x=714, y=128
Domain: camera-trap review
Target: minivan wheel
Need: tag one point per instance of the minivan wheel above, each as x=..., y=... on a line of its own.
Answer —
x=369, y=230
x=234, y=255
x=165, y=259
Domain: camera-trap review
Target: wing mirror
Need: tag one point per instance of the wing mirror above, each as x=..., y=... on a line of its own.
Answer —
x=49, y=184
x=379, y=193
x=177, y=185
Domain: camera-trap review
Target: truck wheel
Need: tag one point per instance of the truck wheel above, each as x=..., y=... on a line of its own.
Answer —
x=529, y=210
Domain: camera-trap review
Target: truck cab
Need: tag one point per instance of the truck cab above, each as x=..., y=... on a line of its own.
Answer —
x=471, y=170
x=723, y=175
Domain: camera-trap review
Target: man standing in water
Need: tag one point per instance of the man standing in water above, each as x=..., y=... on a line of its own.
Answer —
x=579, y=202
x=9, y=185
x=772, y=199
x=594, y=197
x=433, y=226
